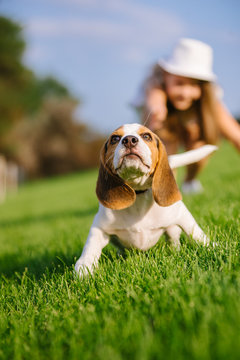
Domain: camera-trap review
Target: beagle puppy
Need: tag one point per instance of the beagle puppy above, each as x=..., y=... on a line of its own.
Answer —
x=138, y=195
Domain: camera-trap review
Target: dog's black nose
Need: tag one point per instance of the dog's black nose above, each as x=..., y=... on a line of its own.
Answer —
x=130, y=141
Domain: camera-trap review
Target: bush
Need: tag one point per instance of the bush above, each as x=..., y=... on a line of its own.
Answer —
x=53, y=142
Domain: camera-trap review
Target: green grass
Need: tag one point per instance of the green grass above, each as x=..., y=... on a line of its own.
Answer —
x=159, y=304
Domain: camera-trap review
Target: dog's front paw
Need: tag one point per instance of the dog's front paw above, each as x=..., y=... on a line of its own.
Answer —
x=82, y=270
x=205, y=241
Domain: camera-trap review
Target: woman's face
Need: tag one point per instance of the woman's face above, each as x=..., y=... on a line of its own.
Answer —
x=181, y=91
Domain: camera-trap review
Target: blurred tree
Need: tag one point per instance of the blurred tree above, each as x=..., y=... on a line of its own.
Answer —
x=40, y=89
x=53, y=143
x=21, y=92
x=37, y=125
x=14, y=77
x=12, y=47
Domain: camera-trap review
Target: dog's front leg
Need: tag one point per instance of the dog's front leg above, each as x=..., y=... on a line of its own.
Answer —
x=191, y=228
x=96, y=241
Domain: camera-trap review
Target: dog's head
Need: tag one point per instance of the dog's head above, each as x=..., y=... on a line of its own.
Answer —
x=133, y=159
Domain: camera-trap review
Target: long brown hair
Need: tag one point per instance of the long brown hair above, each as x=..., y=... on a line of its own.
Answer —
x=207, y=112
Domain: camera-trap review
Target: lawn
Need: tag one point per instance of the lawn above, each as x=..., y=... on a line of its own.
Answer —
x=159, y=304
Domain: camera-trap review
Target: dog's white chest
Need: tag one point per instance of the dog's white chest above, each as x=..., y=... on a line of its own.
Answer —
x=138, y=226
x=142, y=239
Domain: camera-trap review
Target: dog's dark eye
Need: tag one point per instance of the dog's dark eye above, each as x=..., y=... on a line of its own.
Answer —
x=146, y=136
x=115, y=139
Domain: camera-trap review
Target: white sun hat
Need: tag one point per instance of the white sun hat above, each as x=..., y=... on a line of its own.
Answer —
x=190, y=58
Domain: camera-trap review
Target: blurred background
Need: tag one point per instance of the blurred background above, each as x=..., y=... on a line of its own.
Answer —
x=70, y=68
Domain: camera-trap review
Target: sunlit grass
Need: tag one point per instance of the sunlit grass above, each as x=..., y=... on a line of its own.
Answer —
x=154, y=305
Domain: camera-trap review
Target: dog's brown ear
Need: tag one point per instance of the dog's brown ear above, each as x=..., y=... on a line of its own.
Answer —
x=111, y=190
x=164, y=187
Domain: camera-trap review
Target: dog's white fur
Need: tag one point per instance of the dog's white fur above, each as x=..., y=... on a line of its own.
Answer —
x=142, y=223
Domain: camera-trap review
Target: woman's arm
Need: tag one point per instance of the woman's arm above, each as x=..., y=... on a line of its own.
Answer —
x=155, y=108
x=228, y=126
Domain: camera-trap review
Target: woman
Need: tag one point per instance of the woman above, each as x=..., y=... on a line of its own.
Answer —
x=182, y=104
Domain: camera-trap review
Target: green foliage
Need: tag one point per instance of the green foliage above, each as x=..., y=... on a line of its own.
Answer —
x=142, y=305
x=41, y=89
x=12, y=47
x=21, y=92
x=13, y=75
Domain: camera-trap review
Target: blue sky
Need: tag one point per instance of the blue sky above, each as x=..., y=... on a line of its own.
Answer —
x=103, y=49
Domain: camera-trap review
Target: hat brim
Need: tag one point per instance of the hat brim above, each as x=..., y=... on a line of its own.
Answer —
x=170, y=68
